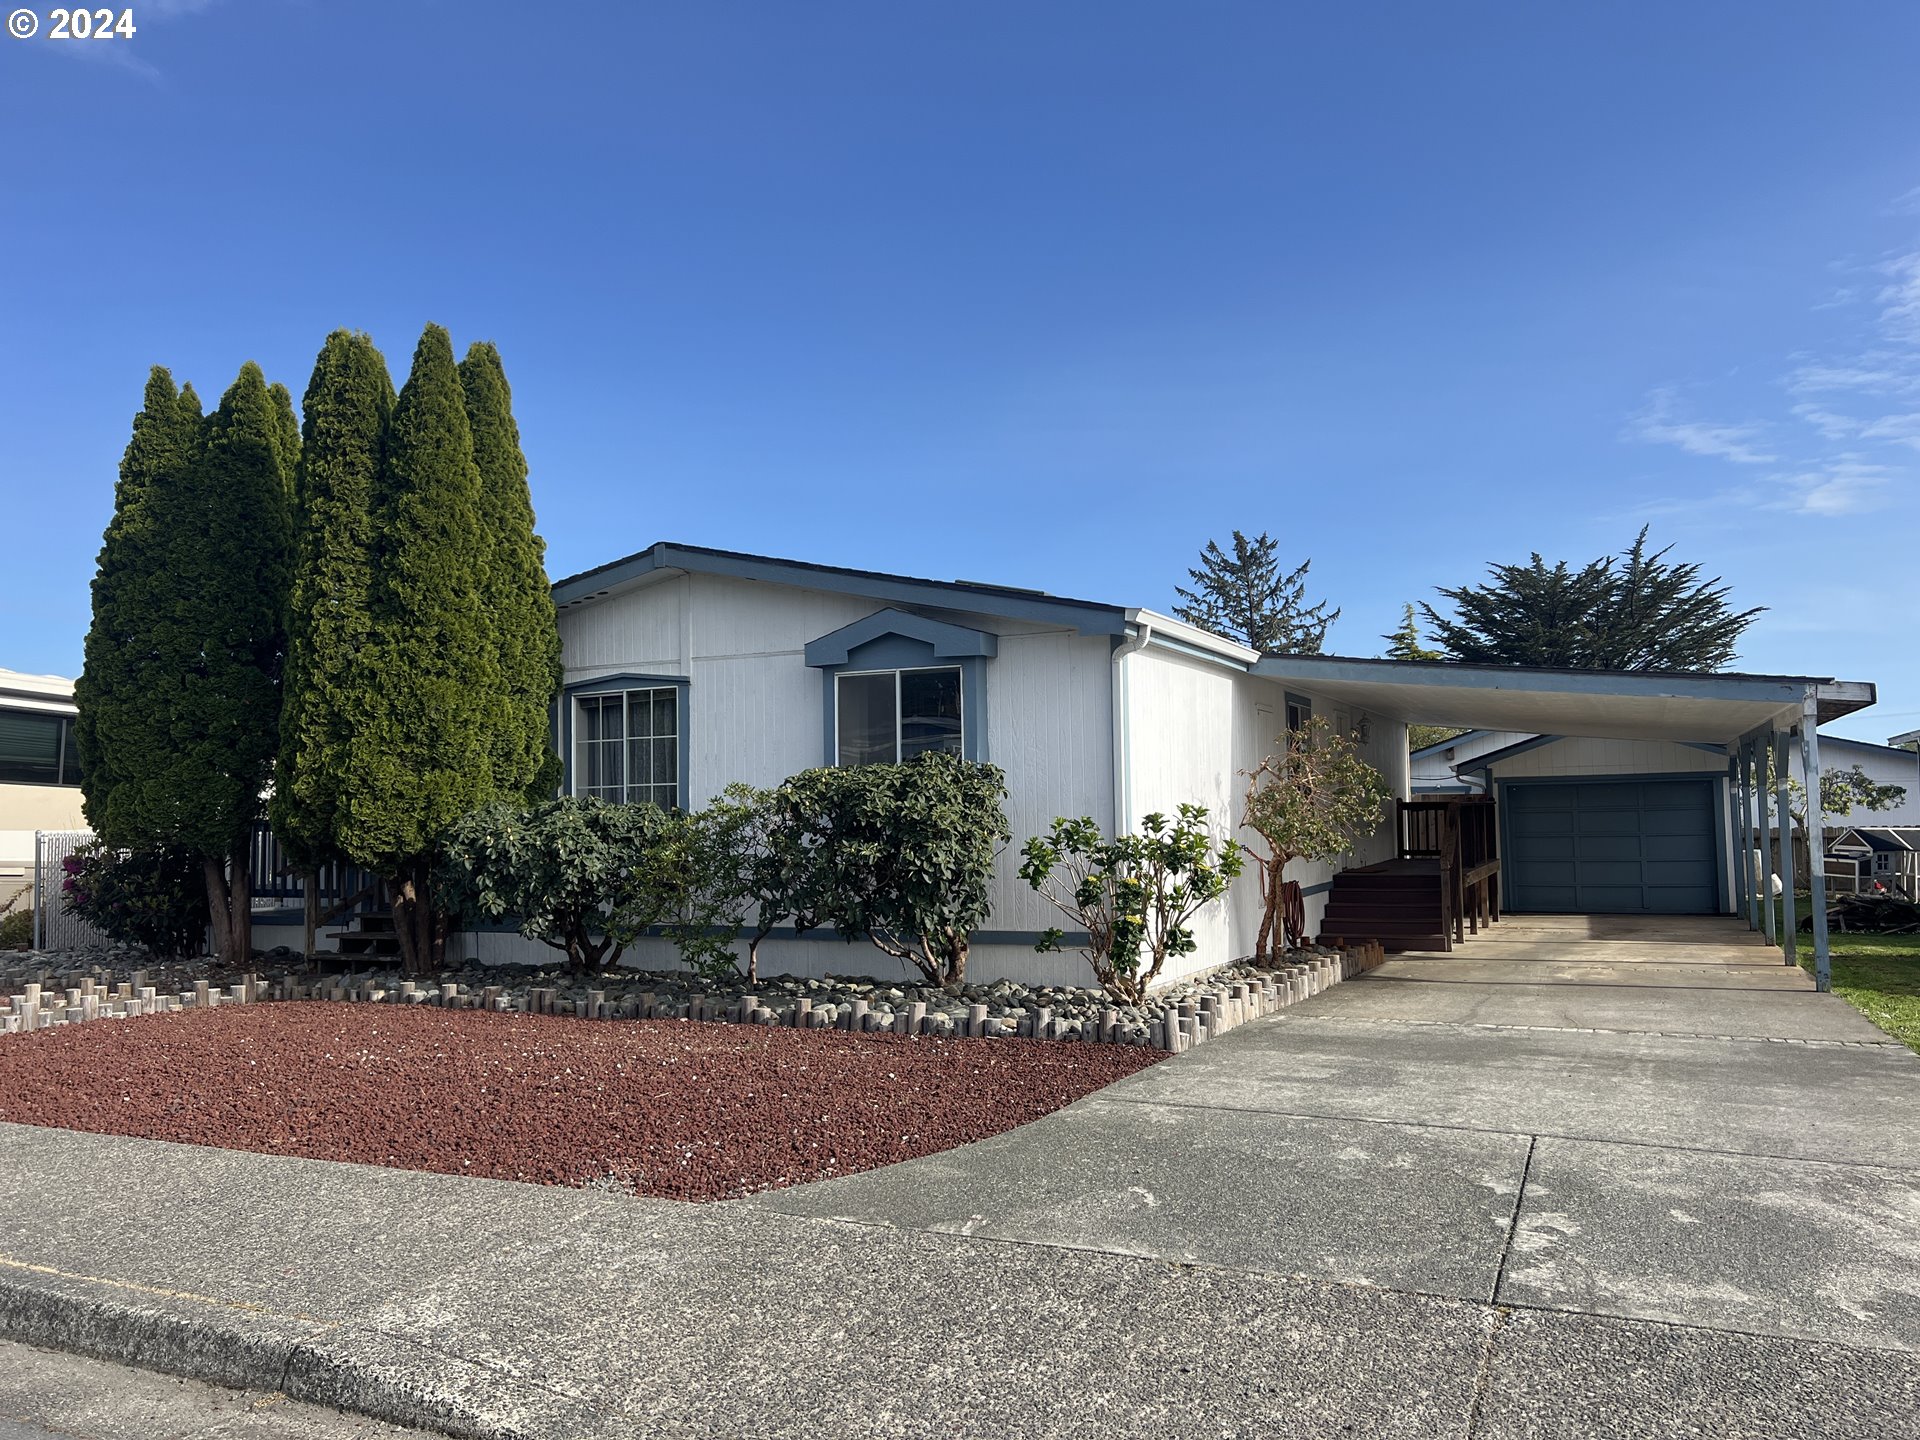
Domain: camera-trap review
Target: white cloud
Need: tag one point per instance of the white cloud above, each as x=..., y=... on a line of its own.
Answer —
x=1829, y=423
x=1846, y=485
x=1895, y=430
x=1656, y=424
x=1900, y=298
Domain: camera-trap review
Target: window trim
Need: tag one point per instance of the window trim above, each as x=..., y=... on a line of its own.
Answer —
x=834, y=678
x=615, y=685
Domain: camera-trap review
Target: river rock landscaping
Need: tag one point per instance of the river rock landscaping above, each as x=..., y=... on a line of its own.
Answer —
x=685, y=1112
x=43, y=990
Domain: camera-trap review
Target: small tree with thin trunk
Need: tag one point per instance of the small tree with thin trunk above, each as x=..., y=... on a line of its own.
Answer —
x=1135, y=895
x=749, y=867
x=1315, y=798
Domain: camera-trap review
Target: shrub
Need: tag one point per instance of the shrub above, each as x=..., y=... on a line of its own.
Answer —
x=580, y=874
x=748, y=867
x=16, y=925
x=902, y=854
x=1313, y=800
x=155, y=898
x=1134, y=895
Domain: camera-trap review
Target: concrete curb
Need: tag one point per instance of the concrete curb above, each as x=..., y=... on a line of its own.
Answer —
x=296, y=1357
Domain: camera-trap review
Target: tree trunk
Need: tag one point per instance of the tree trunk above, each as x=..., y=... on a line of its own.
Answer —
x=955, y=977
x=218, y=913
x=310, y=912
x=240, y=906
x=413, y=921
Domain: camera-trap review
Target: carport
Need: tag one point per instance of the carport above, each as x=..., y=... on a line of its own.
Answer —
x=1755, y=717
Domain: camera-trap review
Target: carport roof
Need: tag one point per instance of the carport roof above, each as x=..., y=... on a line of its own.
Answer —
x=1613, y=704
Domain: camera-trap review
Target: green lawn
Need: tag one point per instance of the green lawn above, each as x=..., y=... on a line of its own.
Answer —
x=1879, y=974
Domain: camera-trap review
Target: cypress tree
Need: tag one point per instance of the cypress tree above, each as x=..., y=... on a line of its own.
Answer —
x=420, y=756
x=347, y=405
x=1246, y=597
x=191, y=752
x=120, y=672
x=518, y=598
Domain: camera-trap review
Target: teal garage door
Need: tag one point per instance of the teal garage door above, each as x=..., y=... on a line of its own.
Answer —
x=1612, y=847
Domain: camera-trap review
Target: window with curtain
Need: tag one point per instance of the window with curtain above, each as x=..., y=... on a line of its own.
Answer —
x=37, y=749
x=627, y=746
x=884, y=716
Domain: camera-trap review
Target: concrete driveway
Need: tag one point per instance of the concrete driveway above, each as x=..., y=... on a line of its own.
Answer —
x=1683, y=1134
x=1460, y=1197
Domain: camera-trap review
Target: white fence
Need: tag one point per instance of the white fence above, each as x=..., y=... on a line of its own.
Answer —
x=53, y=927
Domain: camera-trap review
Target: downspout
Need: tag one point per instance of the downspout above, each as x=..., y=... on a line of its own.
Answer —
x=1122, y=731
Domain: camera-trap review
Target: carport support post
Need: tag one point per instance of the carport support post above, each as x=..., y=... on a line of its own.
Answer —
x=1789, y=931
x=1737, y=832
x=1766, y=835
x=1743, y=834
x=1816, y=839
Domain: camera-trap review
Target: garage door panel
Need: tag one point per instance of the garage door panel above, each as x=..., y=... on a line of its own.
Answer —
x=1613, y=847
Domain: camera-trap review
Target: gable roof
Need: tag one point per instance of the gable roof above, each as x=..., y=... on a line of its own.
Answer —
x=1007, y=602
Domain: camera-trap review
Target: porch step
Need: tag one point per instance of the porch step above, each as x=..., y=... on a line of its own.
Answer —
x=371, y=933
x=1409, y=937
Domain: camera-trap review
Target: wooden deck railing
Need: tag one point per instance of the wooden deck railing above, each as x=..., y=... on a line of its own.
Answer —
x=1461, y=832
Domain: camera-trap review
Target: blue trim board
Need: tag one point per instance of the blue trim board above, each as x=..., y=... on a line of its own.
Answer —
x=1462, y=738
x=1070, y=940
x=947, y=642
x=1004, y=601
x=606, y=684
x=1519, y=747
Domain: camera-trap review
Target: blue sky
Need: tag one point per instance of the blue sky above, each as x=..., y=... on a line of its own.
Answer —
x=1040, y=294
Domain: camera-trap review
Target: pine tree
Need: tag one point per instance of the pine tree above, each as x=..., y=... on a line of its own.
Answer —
x=191, y=752
x=119, y=670
x=1245, y=597
x=1633, y=611
x=1405, y=643
x=347, y=405
x=420, y=756
x=518, y=598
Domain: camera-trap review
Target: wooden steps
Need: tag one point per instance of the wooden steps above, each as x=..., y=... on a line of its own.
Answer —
x=372, y=933
x=1398, y=903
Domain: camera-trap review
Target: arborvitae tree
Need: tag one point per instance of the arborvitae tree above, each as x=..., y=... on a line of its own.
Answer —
x=420, y=756
x=518, y=598
x=192, y=758
x=121, y=667
x=287, y=442
x=1629, y=612
x=1245, y=597
x=329, y=663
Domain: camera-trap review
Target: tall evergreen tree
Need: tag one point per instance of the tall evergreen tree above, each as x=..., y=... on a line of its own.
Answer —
x=420, y=756
x=518, y=598
x=1246, y=597
x=1405, y=643
x=287, y=438
x=121, y=666
x=1633, y=611
x=347, y=405
x=191, y=759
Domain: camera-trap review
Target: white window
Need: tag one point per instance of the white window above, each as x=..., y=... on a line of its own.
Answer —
x=626, y=746
x=885, y=716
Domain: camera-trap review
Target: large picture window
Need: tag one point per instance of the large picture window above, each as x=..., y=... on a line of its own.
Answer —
x=37, y=749
x=627, y=746
x=885, y=716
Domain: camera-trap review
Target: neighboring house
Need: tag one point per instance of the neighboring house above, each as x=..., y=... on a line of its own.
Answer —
x=39, y=771
x=1447, y=767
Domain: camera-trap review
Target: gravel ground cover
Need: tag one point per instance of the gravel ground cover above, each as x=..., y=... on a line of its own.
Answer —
x=665, y=1108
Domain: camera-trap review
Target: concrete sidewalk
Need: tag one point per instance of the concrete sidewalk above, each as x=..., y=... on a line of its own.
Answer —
x=1350, y=1219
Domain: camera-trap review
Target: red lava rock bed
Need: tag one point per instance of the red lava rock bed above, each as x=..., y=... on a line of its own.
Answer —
x=673, y=1109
